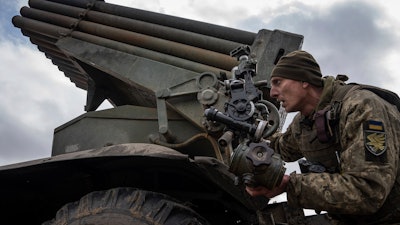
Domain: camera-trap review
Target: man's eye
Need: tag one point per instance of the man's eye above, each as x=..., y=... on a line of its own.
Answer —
x=276, y=82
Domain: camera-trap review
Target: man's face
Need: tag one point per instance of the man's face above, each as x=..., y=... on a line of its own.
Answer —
x=289, y=92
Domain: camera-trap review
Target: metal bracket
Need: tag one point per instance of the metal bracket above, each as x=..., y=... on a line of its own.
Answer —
x=204, y=87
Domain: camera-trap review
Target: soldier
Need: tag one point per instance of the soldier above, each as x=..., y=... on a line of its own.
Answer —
x=351, y=137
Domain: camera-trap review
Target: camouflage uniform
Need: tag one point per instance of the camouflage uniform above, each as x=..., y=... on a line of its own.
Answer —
x=363, y=185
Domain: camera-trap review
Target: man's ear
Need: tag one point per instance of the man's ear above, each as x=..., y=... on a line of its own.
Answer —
x=305, y=84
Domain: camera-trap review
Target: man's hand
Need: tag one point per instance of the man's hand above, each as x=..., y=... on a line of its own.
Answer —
x=260, y=190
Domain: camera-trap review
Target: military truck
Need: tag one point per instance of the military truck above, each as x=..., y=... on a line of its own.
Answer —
x=187, y=131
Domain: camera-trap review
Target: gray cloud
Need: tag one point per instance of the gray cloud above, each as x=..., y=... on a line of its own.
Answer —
x=19, y=142
x=344, y=39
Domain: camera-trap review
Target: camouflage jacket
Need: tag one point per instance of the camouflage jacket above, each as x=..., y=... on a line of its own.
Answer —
x=365, y=187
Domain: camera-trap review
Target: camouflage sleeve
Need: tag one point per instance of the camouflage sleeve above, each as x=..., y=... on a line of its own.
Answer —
x=370, y=133
x=285, y=144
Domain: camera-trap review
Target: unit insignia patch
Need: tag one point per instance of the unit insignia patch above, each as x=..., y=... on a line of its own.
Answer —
x=374, y=137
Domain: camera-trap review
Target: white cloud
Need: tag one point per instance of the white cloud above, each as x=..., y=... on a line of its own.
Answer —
x=34, y=79
x=391, y=64
x=35, y=98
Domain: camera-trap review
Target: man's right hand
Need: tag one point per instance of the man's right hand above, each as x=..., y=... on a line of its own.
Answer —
x=260, y=190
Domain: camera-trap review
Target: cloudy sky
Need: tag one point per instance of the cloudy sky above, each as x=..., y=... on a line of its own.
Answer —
x=359, y=38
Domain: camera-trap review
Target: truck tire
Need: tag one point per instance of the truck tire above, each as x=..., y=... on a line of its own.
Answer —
x=126, y=206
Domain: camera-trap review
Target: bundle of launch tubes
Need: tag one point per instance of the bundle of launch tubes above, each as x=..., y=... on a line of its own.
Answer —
x=188, y=44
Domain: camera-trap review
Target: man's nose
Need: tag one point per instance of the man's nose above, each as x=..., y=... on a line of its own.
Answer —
x=273, y=92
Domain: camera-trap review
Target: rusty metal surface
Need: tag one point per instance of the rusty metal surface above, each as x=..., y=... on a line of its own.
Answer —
x=184, y=43
x=132, y=37
x=137, y=149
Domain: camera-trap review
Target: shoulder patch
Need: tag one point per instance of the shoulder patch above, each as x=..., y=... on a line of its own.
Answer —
x=374, y=140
